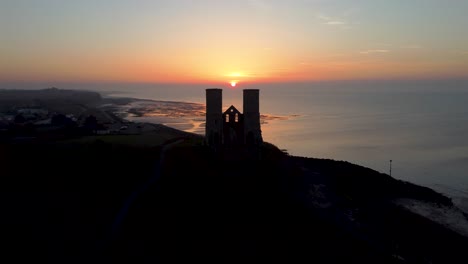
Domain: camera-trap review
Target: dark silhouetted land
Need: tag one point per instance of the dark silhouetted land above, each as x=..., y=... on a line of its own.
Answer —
x=160, y=195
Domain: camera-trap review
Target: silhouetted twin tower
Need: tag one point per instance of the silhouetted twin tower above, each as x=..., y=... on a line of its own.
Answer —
x=232, y=128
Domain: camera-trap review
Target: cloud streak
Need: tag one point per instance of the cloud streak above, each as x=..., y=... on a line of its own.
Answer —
x=326, y=20
x=374, y=51
x=335, y=23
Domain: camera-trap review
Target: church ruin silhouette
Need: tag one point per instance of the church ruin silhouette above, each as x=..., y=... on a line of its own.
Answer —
x=232, y=128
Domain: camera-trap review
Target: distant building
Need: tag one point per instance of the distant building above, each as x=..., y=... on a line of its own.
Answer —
x=231, y=127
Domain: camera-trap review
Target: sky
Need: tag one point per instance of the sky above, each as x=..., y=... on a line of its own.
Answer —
x=188, y=41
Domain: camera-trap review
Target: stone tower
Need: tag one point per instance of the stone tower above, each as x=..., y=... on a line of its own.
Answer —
x=232, y=128
x=214, y=117
x=252, y=131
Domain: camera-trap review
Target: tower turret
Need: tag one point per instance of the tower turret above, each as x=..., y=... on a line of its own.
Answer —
x=252, y=131
x=214, y=117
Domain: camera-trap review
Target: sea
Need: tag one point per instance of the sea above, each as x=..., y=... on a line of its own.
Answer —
x=416, y=131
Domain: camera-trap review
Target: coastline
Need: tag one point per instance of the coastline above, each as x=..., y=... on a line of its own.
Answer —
x=146, y=166
x=182, y=116
x=185, y=116
x=189, y=117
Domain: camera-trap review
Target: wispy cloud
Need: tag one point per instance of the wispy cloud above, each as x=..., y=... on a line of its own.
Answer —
x=374, y=51
x=335, y=55
x=333, y=21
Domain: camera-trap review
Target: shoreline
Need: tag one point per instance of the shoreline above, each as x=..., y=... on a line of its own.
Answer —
x=180, y=115
x=158, y=112
x=185, y=116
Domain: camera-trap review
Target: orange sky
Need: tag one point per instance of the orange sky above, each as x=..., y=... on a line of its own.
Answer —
x=215, y=41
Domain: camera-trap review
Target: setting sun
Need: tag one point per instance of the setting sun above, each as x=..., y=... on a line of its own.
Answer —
x=233, y=83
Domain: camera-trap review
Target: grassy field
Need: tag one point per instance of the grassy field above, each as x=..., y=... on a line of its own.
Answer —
x=153, y=138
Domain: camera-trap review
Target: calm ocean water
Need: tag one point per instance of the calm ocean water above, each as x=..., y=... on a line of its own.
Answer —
x=421, y=126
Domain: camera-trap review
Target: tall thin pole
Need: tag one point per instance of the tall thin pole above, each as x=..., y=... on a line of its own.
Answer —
x=390, y=167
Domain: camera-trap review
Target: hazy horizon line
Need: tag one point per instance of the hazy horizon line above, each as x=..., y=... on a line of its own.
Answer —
x=242, y=83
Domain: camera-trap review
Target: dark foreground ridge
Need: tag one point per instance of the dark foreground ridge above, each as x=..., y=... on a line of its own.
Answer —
x=111, y=201
x=80, y=184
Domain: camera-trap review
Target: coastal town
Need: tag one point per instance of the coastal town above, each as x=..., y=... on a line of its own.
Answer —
x=57, y=114
x=79, y=115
